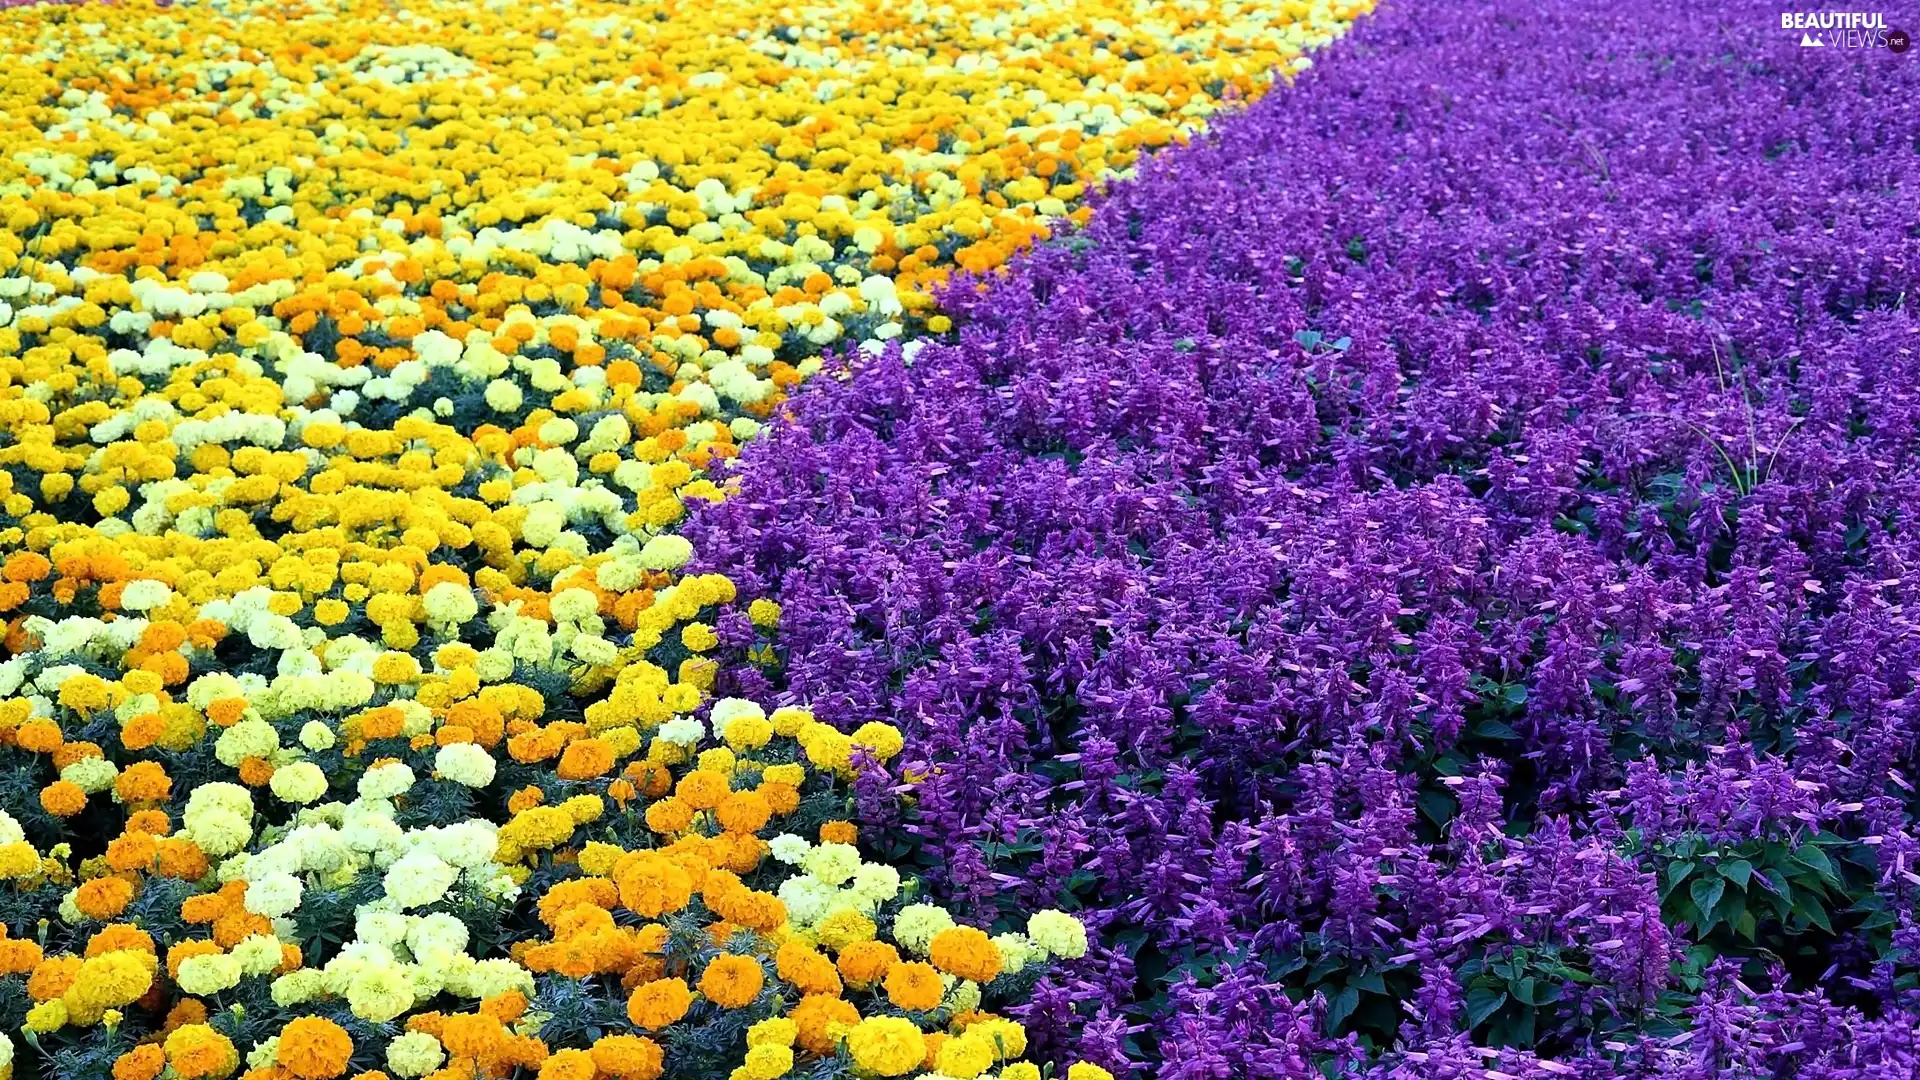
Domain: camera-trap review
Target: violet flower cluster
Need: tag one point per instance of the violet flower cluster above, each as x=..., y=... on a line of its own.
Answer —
x=1429, y=573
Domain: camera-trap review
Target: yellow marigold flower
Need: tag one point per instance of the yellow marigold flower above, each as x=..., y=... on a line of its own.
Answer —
x=966, y=1056
x=108, y=981
x=887, y=1045
x=883, y=741
x=196, y=1050
x=768, y=1061
x=47, y=1016
x=776, y=1031
x=844, y=927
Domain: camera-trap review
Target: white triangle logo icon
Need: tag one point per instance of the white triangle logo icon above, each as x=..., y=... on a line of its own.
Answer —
x=1808, y=41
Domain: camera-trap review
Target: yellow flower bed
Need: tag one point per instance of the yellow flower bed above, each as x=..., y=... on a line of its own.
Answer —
x=357, y=363
x=395, y=287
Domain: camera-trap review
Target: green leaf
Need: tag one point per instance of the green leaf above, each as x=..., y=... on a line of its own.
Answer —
x=1738, y=871
x=1780, y=888
x=1815, y=913
x=1522, y=990
x=1495, y=729
x=1437, y=805
x=1706, y=893
x=1676, y=873
x=1341, y=1007
x=1816, y=860
x=1483, y=1002
x=1514, y=1030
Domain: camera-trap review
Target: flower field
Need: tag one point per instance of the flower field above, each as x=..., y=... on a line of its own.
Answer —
x=359, y=365
x=725, y=541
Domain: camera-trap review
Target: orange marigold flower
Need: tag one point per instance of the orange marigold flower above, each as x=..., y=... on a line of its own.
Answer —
x=132, y=852
x=585, y=759
x=39, y=736
x=152, y=822
x=838, y=832
x=181, y=859
x=53, y=977
x=63, y=798
x=142, y=731
x=652, y=778
x=314, y=1048
x=649, y=959
x=26, y=566
x=75, y=751
x=739, y=852
x=914, y=986
x=568, y=1065
x=651, y=885
x=598, y=892
x=143, y=782
x=784, y=798
x=660, y=1003
x=185, y=1011
x=669, y=815
x=732, y=982
x=629, y=1057
x=237, y=924
x=822, y=1019
x=804, y=967
x=506, y=1007
x=702, y=789
x=19, y=956
x=104, y=898
x=140, y=1063
x=966, y=952
x=119, y=937
x=745, y=812
x=256, y=771
x=472, y=1035
x=864, y=963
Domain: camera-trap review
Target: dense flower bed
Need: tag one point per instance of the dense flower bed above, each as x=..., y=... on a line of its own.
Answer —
x=1431, y=567
x=358, y=715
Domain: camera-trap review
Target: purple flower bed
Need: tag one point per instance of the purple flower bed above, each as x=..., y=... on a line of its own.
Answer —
x=1432, y=567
